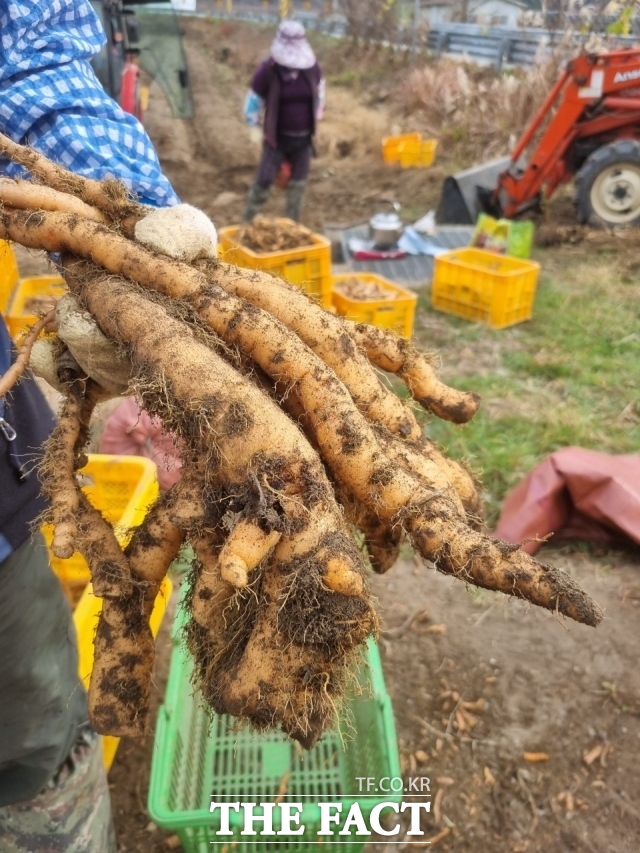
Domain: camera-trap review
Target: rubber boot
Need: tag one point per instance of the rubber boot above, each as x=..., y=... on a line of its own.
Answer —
x=295, y=195
x=256, y=200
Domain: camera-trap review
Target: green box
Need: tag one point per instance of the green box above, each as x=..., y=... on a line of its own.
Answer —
x=196, y=757
x=505, y=236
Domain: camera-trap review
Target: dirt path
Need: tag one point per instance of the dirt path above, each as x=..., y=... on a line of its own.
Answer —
x=212, y=162
x=536, y=686
x=532, y=684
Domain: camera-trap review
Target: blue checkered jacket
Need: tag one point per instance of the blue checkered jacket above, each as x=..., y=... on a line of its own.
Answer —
x=51, y=99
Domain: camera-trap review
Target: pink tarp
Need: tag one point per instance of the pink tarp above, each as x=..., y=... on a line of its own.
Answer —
x=575, y=493
x=129, y=431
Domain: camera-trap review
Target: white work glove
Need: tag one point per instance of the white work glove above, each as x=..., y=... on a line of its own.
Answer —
x=182, y=232
x=93, y=351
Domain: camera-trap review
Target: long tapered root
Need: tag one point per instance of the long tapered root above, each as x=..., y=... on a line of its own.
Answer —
x=109, y=196
x=396, y=355
x=120, y=685
x=60, y=481
x=36, y=197
x=477, y=559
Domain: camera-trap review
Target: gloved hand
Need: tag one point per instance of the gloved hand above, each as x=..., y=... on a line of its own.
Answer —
x=94, y=353
x=255, y=135
x=183, y=233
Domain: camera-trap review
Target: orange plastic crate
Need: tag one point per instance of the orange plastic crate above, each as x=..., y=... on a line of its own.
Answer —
x=122, y=488
x=391, y=145
x=308, y=267
x=420, y=154
x=397, y=314
x=20, y=316
x=409, y=150
x=8, y=274
x=480, y=285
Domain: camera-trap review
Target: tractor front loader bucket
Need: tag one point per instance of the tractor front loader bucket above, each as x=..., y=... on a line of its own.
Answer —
x=466, y=194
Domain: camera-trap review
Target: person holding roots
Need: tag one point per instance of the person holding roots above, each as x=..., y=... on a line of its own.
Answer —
x=288, y=93
x=54, y=796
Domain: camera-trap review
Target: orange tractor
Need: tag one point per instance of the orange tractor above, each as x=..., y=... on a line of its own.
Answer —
x=587, y=129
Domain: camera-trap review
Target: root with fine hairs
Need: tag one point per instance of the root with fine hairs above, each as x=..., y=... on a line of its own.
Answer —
x=289, y=441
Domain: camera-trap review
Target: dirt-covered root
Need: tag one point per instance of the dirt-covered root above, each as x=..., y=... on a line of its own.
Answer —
x=155, y=544
x=243, y=426
x=280, y=656
x=109, y=196
x=457, y=550
x=77, y=525
x=396, y=355
x=423, y=459
x=59, y=480
x=381, y=539
x=257, y=451
x=327, y=335
x=120, y=684
x=244, y=549
x=109, y=568
x=37, y=197
x=275, y=653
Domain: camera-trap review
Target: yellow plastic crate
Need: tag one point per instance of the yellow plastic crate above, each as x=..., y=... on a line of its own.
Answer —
x=122, y=488
x=420, y=154
x=85, y=618
x=308, y=267
x=8, y=274
x=397, y=314
x=480, y=285
x=391, y=145
x=20, y=314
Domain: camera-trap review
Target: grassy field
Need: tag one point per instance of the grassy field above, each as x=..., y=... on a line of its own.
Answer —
x=571, y=376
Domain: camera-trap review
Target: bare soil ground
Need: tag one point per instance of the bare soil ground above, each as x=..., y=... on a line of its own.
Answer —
x=212, y=162
x=478, y=682
x=536, y=685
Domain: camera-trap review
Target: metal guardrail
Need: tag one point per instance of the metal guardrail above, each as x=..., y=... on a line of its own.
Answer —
x=498, y=46
x=504, y=46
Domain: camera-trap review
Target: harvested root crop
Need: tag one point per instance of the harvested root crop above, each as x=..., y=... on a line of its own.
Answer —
x=298, y=465
x=361, y=290
x=264, y=234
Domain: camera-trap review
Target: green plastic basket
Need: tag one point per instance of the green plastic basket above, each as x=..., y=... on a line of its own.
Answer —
x=196, y=760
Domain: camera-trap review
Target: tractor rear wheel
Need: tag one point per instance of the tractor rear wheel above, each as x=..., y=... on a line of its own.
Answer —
x=608, y=185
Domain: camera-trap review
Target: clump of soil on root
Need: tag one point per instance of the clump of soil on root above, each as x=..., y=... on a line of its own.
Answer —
x=281, y=651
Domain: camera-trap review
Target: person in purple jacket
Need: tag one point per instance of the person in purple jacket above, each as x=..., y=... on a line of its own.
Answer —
x=288, y=90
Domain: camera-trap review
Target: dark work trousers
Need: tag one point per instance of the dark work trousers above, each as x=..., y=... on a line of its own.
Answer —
x=42, y=702
x=54, y=796
x=297, y=150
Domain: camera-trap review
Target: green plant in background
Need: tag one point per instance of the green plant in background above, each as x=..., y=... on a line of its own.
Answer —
x=622, y=26
x=568, y=377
